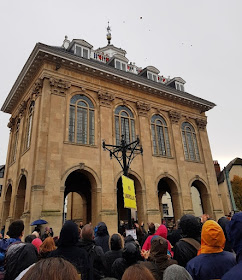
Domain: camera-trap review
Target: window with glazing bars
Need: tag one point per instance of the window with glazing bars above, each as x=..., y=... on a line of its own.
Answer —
x=81, y=120
x=189, y=140
x=124, y=124
x=160, y=137
x=29, y=122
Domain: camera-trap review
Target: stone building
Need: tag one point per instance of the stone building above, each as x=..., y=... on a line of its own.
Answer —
x=65, y=102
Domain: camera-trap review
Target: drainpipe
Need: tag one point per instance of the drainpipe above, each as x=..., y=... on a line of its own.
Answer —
x=226, y=173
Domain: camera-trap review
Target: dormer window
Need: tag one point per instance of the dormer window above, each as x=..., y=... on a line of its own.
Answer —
x=82, y=51
x=179, y=86
x=152, y=76
x=120, y=65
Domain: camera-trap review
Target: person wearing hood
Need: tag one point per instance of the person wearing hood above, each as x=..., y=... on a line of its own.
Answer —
x=116, y=245
x=234, y=234
x=213, y=262
x=162, y=232
x=102, y=236
x=158, y=260
x=68, y=250
x=95, y=253
x=130, y=256
x=176, y=272
x=187, y=247
x=19, y=256
x=223, y=222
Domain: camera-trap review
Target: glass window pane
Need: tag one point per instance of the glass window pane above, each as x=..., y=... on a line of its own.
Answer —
x=82, y=103
x=154, y=138
x=118, y=65
x=72, y=124
x=78, y=51
x=117, y=131
x=168, y=149
x=85, y=53
x=184, y=144
x=196, y=147
x=91, y=127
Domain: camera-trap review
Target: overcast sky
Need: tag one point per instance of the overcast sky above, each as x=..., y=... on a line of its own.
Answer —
x=200, y=41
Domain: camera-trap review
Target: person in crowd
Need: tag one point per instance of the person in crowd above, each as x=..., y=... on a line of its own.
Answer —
x=116, y=245
x=121, y=228
x=187, y=247
x=29, y=238
x=51, y=232
x=102, y=236
x=176, y=234
x=46, y=247
x=52, y=268
x=67, y=249
x=223, y=222
x=130, y=256
x=161, y=231
x=176, y=272
x=81, y=225
x=15, y=232
x=19, y=256
x=3, y=231
x=36, y=233
x=37, y=229
x=213, y=262
x=158, y=260
x=157, y=226
x=204, y=218
x=140, y=232
x=46, y=233
x=95, y=253
x=151, y=231
x=37, y=243
x=137, y=272
x=234, y=234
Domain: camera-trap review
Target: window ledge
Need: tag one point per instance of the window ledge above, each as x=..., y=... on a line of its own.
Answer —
x=161, y=156
x=80, y=144
x=194, y=161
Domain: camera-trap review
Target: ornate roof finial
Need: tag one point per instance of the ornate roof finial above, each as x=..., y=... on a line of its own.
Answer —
x=109, y=36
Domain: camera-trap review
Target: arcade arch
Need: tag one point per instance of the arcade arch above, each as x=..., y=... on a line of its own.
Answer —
x=20, y=198
x=168, y=197
x=80, y=197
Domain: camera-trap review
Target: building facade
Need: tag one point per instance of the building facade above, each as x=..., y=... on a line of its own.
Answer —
x=65, y=102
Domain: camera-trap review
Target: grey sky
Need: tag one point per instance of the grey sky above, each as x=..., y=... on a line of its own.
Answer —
x=200, y=41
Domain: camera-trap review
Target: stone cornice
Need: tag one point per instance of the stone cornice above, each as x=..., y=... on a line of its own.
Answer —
x=143, y=108
x=42, y=53
x=201, y=123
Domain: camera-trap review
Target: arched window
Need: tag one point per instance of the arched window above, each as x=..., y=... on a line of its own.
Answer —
x=81, y=120
x=124, y=124
x=190, y=142
x=160, y=137
x=29, y=122
x=15, y=142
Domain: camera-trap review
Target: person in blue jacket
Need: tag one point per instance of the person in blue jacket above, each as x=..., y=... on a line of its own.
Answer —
x=234, y=233
x=15, y=232
x=212, y=262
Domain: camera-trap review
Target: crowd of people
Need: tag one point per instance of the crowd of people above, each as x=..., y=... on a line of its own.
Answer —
x=196, y=248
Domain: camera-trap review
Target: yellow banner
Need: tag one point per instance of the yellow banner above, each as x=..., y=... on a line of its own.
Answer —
x=129, y=193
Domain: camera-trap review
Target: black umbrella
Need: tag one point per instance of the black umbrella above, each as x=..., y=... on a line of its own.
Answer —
x=39, y=222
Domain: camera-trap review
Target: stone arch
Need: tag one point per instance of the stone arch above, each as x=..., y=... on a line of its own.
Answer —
x=82, y=92
x=205, y=196
x=20, y=198
x=82, y=185
x=6, y=204
x=167, y=184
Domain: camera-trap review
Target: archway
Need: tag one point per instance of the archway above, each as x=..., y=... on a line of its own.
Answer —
x=20, y=198
x=136, y=215
x=6, y=204
x=204, y=196
x=78, y=197
x=196, y=202
x=168, y=199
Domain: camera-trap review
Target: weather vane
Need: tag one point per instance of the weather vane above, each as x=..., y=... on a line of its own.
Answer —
x=109, y=36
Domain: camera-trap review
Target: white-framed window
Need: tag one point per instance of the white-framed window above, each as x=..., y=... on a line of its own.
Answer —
x=152, y=76
x=120, y=65
x=179, y=86
x=124, y=124
x=189, y=140
x=160, y=136
x=82, y=51
x=81, y=120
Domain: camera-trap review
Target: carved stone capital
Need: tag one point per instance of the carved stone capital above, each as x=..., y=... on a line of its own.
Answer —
x=22, y=108
x=11, y=123
x=143, y=108
x=174, y=116
x=201, y=123
x=36, y=91
x=105, y=98
x=59, y=87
